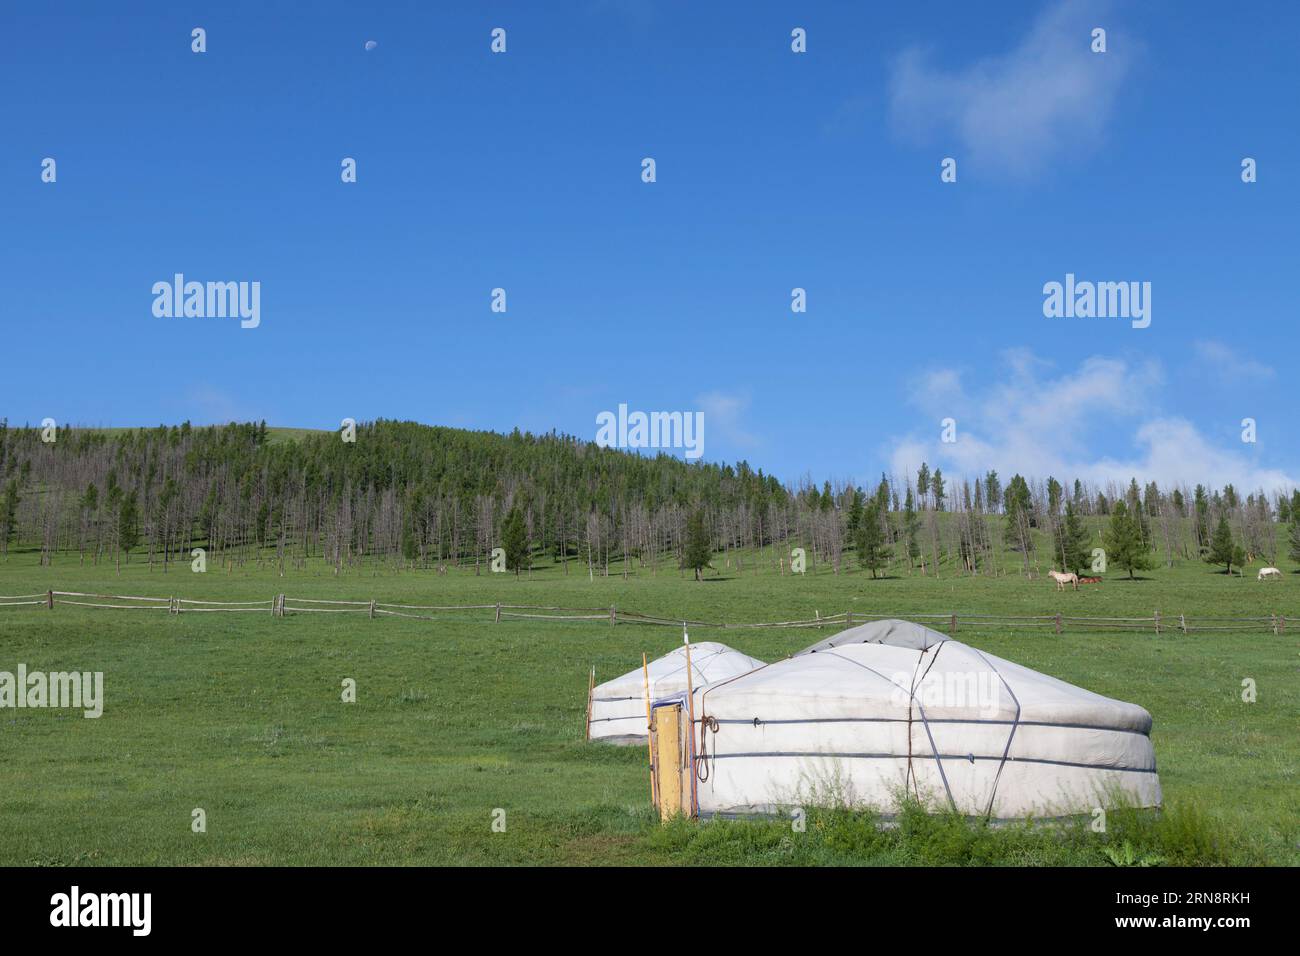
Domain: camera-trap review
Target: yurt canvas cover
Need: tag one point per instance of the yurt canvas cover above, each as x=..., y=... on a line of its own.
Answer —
x=892, y=707
x=618, y=712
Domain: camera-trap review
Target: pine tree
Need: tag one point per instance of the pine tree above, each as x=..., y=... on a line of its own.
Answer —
x=993, y=490
x=1123, y=541
x=1294, y=539
x=1071, y=543
x=855, y=511
x=1138, y=514
x=128, y=531
x=882, y=494
x=1222, y=550
x=698, y=551
x=9, y=513
x=514, y=540
x=1019, y=512
x=872, y=550
x=1053, y=496
x=1202, y=510
x=912, y=527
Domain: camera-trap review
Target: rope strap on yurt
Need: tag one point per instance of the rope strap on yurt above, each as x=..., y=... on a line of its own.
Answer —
x=938, y=761
x=707, y=725
x=1015, y=723
x=929, y=663
x=713, y=721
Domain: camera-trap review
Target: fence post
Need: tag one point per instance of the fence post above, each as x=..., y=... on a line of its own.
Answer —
x=372, y=609
x=49, y=599
x=848, y=618
x=952, y=626
x=612, y=614
x=1157, y=623
x=1058, y=622
x=1273, y=619
x=818, y=615
x=498, y=617
x=1182, y=622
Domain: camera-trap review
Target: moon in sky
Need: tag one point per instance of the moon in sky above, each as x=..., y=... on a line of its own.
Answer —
x=371, y=44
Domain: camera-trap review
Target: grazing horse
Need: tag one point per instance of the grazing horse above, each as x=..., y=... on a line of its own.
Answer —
x=1268, y=573
x=1063, y=579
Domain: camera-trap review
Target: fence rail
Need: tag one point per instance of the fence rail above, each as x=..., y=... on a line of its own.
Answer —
x=282, y=605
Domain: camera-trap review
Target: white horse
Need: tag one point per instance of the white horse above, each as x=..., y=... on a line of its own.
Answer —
x=1063, y=579
x=1268, y=573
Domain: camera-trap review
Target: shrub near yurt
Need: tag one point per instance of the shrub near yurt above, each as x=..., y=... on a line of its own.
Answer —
x=892, y=711
x=617, y=708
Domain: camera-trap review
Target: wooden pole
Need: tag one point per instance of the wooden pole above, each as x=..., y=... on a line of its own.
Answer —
x=49, y=600
x=1157, y=623
x=372, y=609
x=498, y=617
x=1058, y=622
x=591, y=690
x=690, y=718
x=649, y=744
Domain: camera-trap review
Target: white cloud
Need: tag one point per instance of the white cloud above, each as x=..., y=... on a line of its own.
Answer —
x=1228, y=366
x=212, y=405
x=1173, y=447
x=1039, y=422
x=724, y=419
x=1049, y=96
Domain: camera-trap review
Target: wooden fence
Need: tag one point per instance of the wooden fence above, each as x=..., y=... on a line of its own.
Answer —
x=282, y=605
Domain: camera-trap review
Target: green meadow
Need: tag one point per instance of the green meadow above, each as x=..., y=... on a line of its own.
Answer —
x=458, y=718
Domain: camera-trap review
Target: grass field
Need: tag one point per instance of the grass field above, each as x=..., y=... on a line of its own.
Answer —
x=240, y=715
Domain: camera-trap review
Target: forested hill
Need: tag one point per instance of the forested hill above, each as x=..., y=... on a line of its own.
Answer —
x=425, y=496
x=422, y=491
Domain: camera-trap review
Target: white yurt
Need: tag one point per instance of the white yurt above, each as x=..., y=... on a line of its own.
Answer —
x=891, y=708
x=618, y=706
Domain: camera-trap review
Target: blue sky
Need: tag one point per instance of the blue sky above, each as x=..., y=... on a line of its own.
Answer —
x=775, y=170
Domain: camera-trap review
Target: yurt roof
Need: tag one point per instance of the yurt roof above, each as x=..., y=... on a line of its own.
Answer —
x=892, y=631
x=710, y=662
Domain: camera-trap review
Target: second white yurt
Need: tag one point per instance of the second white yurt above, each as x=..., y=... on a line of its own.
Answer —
x=618, y=706
x=893, y=708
